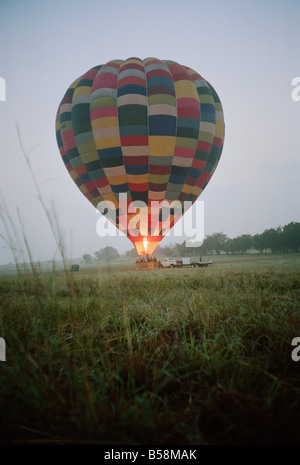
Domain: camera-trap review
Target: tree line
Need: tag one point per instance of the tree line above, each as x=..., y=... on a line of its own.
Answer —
x=107, y=254
x=276, y=240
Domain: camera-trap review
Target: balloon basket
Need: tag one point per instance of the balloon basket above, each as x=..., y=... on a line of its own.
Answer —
x=147, y=265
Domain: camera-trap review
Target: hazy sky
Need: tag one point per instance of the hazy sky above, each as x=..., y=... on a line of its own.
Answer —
x=249, y=51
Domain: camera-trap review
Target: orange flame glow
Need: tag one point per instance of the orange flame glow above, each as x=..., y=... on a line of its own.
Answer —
x=145, y=242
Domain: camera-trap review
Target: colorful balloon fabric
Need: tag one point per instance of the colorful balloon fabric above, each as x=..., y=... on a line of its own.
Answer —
x=140, y=130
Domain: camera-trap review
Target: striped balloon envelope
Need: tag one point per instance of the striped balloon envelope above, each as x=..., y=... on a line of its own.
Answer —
x=140, y=136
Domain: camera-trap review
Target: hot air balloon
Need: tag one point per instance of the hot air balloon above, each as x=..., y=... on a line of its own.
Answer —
x=149, y=132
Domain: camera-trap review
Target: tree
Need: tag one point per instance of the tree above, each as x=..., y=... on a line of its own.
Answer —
x=132, y=253
x=259, y=242
x=108, y=253
x=291, y=236
x=270, y=239
x=275, y=239
x=166, y=251
x=87, y=258
x=180, y=250
x=229, y=246
x=214, y=243
x=240, y=244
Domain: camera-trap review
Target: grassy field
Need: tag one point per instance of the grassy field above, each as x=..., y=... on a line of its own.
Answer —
x=187, y=356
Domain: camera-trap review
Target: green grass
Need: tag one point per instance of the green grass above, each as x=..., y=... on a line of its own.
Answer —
x=155, y=357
